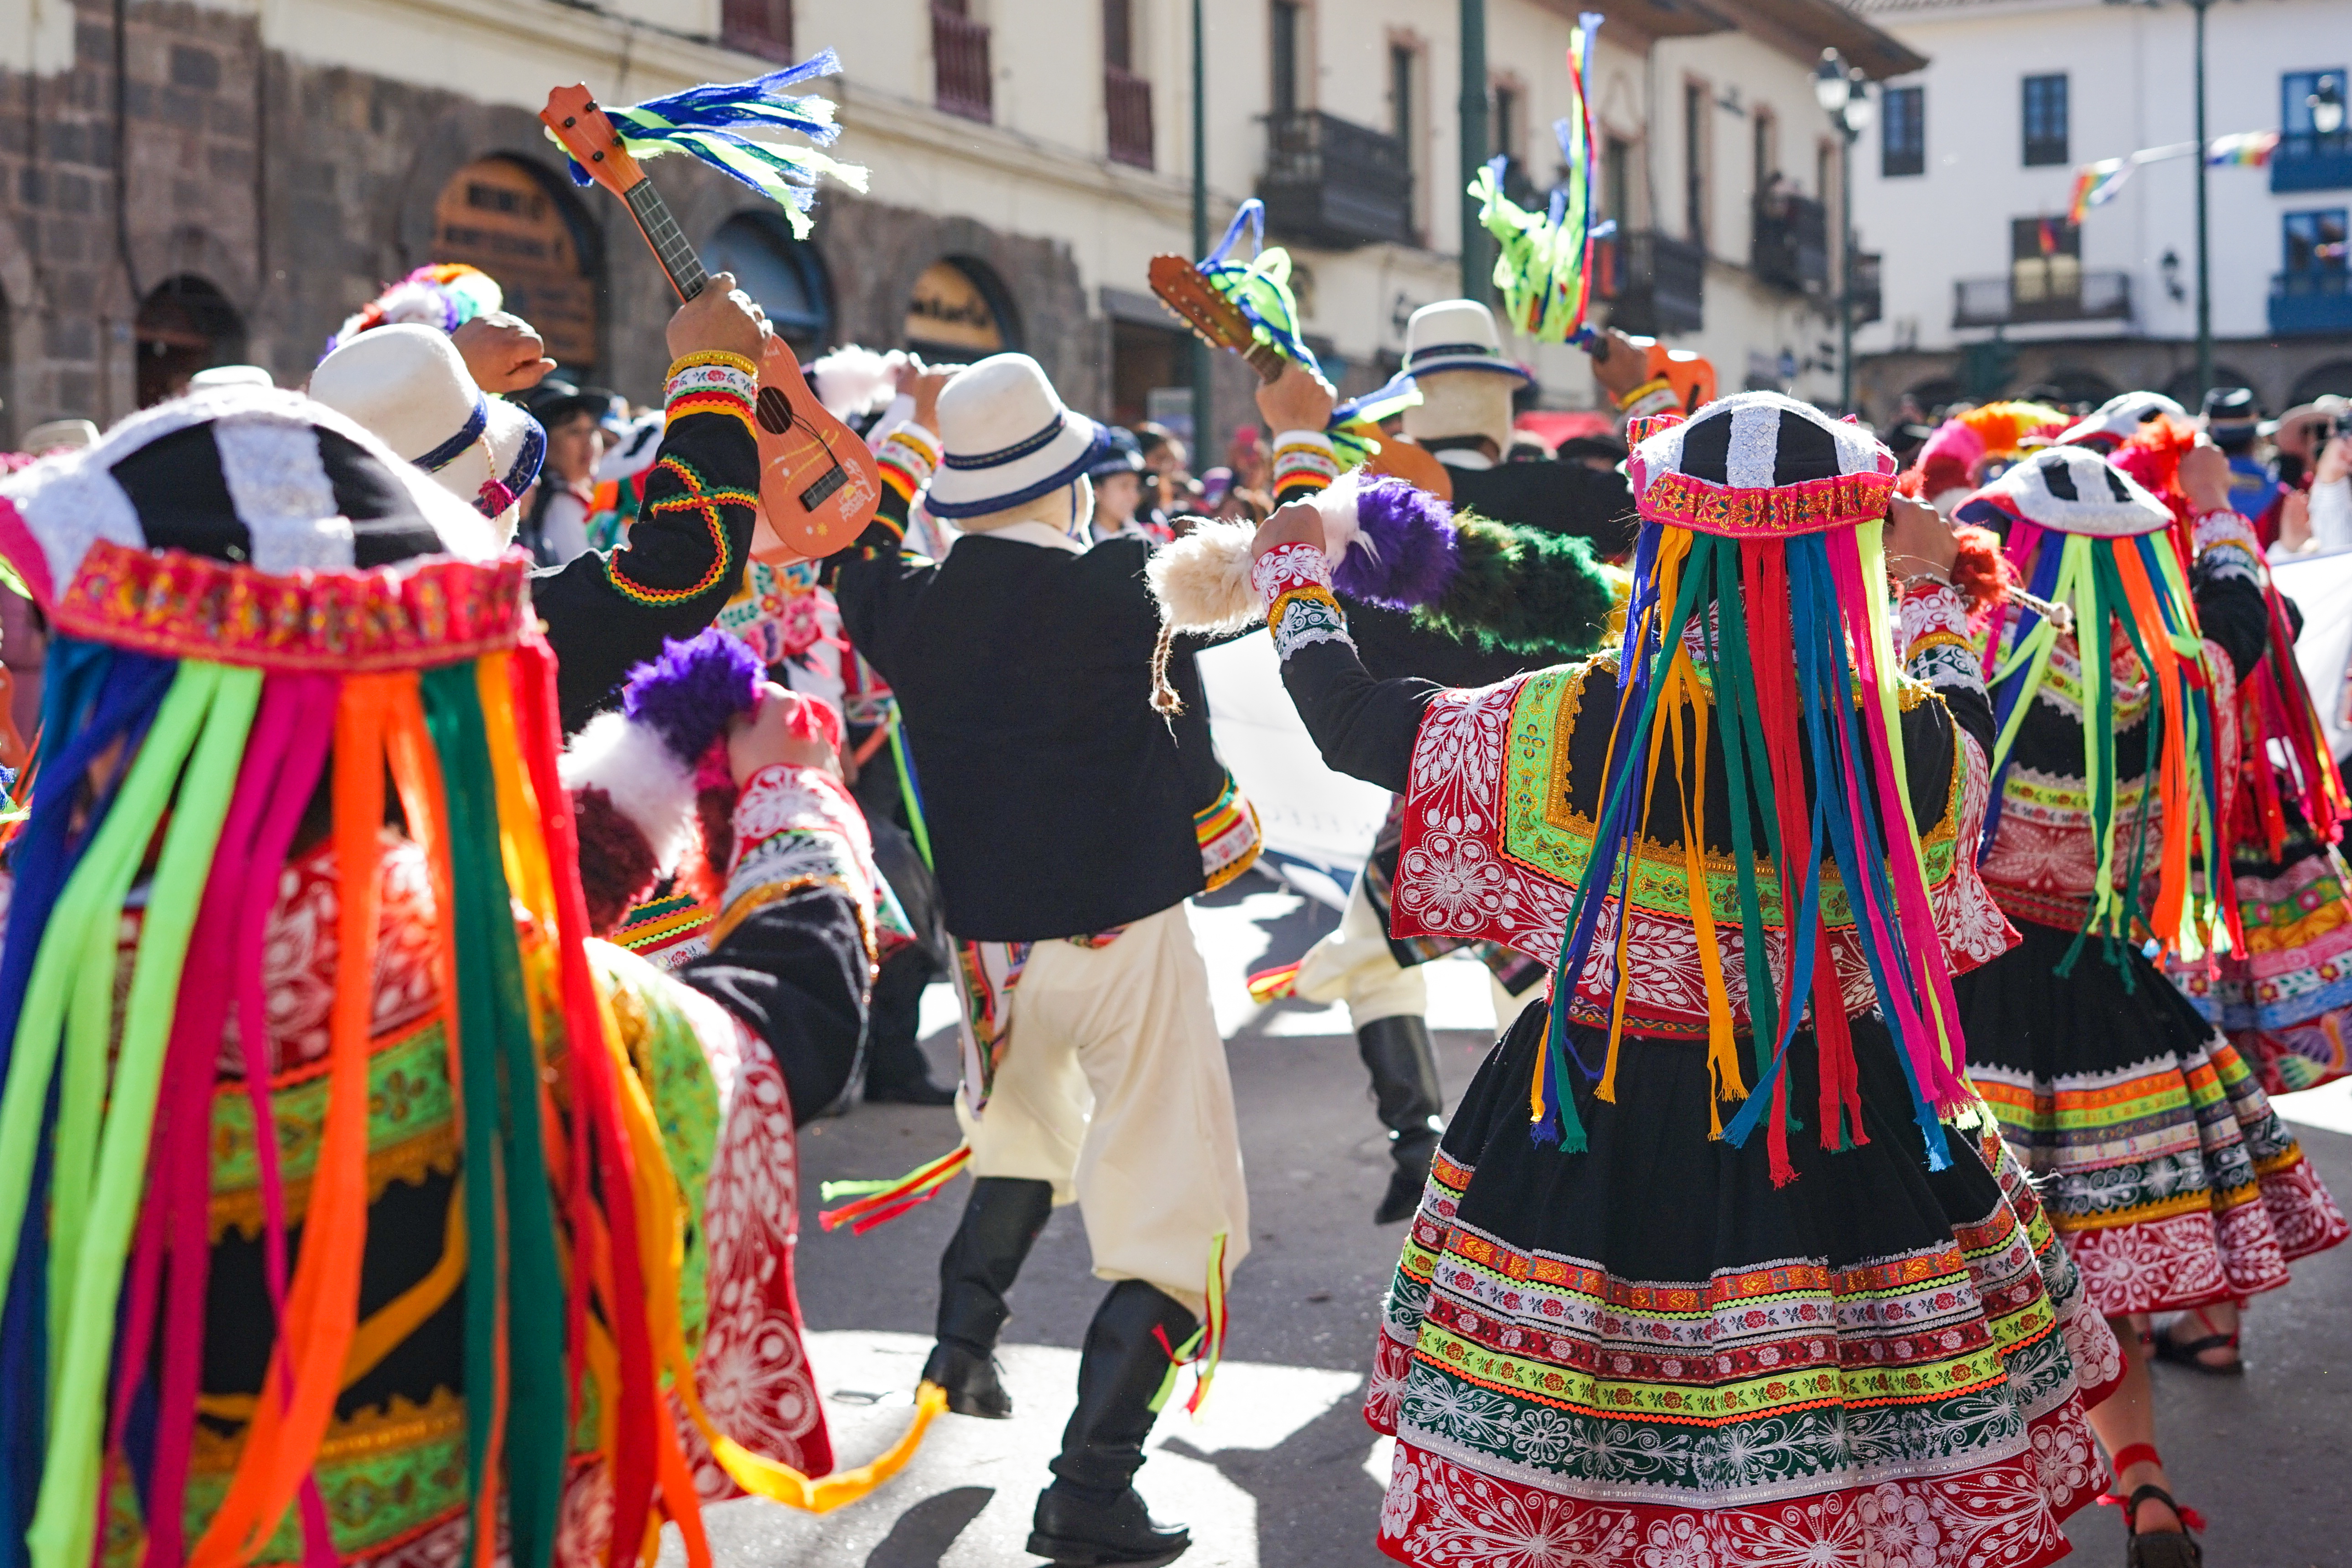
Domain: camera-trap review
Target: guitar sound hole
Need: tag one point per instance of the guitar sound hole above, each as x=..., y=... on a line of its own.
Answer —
x=774, y=410
x=832, y=479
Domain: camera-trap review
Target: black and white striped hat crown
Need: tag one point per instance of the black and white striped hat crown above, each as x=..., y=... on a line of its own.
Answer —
x=2069, y=489
x=1756, y=465
x=250, y=476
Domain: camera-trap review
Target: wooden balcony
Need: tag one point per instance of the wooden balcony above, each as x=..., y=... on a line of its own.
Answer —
x=1655, y=284
x=1334, y=185
x=1790, y=248
x=2042, y=292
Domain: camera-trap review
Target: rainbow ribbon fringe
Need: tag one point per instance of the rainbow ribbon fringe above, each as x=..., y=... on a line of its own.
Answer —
x=1544, y=261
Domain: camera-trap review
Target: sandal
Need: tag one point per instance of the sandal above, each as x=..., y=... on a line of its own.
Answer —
x=2191, y=1354
x=2170, y=1549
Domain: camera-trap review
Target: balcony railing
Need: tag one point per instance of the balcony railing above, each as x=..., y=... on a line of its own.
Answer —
x=2308, y=303
x=2059, y=295
x=1869, y=299
x=1127, y=101
x=1334, y=185
x=960, y=59
x=1656, y=284
x=1790, y=250
x=2307, y=161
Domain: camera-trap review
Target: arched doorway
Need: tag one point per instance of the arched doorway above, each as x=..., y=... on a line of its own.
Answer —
x=960, y=311
x=184, y=326
x=782, y=274
x=510, y=218
x=2335, y=376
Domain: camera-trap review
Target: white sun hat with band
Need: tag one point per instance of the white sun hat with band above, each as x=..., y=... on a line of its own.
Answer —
x=409, y=385
x=1007, y=439
x=1456, y=334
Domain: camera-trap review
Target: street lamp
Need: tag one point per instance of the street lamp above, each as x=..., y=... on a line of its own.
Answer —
x=1844, y=95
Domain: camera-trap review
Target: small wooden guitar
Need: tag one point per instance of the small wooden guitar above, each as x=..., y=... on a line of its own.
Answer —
x=818, y=482
x=1221, y=324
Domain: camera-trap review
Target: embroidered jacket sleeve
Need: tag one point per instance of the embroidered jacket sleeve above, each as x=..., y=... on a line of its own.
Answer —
x=2227, y=582
x=875, y=580
x=1931, y=634
x=1363, y=727
x=608, y=610
x=792, y=948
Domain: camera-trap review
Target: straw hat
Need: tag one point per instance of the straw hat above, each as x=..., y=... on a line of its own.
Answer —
x=1456, y=334
x=409, y=385
x=1007, y=439
x=61, y=436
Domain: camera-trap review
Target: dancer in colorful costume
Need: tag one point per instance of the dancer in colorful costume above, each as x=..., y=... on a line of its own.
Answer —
x=243, y=1010
x=2172, y=1181
x=1465, y=419
x=1068, y=824
x=1698, y=1277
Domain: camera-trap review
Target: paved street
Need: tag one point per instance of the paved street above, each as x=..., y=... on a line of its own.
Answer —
x=1283, y=1473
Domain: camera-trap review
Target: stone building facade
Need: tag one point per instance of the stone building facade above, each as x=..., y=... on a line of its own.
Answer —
x=232, y=203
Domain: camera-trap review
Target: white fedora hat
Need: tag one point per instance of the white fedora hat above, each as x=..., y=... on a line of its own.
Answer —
x=1007, y=439
x=1455, y=334
x=409, y=385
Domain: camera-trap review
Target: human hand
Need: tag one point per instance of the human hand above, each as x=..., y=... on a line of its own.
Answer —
x=1299, y=523
x=2335, y=461
x=1620, y=365
x=1297, y=399
x=1917, y=541
x=721, y=319
x=779, y=730
x=924, y=382
x=502, y=351
x=2294, y=524
x=2205, y=477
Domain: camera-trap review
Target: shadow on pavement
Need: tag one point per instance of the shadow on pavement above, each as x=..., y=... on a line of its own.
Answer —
x=925, y=1532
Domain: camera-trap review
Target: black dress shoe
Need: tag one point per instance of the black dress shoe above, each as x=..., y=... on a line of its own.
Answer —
x=972, y=1382
x=1076, y=1531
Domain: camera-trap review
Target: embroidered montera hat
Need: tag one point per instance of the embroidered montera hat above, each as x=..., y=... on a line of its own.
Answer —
x=2068, y=490
x=261, y=608
x=1756, y=465
x=2115, y=421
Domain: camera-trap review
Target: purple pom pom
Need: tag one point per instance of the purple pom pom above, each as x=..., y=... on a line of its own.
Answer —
x=1411, y=558
x=690, y=695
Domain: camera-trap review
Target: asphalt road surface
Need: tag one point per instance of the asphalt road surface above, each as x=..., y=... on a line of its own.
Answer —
x=1282, y=1472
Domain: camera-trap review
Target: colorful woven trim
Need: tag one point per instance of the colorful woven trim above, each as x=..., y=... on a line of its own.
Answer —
x=177, y=606
x=1655, y=395
x=1811, y=506
x=907, y=460
x=711, y=383
x=668, y=933
x=2217, y=531
x=1304, y=458
x=695, y=496
x=795, y=828
x=715, y=358
x=1932, y=628
x=1229, y=834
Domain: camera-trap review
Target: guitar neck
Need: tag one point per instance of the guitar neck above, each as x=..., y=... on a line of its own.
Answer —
x=678, y=258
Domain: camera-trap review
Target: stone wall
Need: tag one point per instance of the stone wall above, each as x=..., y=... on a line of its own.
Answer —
x=296, y=191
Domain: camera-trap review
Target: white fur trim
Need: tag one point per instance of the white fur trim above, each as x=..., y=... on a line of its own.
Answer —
x=1202, y=580
x=1337, y=503
x=648, y=785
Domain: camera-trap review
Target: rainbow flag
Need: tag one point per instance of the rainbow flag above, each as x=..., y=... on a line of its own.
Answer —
x=2244, y=149
x=2095, y=184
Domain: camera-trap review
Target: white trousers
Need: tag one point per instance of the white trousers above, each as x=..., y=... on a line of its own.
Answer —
x=1354, y=964
x=1113, y=1087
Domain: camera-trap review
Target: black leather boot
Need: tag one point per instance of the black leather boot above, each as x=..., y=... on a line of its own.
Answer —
x=1091, y=1515
x=1411, y=1106
x=1001, y=1222
x=895, y=1072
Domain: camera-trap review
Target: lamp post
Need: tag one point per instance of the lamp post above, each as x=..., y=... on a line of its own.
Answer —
x=1478, y=271
x=1202, y=371
x=2204, y=256
x=1844, y=95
